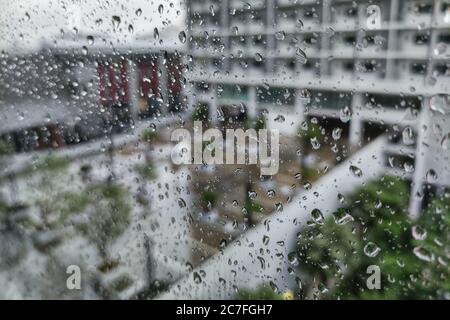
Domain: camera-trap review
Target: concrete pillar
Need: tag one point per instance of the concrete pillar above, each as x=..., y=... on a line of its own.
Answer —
x=360, y=25
x=133, y=89
x=270, y=16
x=433, y=39
x=190, y=97
x=300, y=103
x=356, y=128
x=163, y=84
x=325, y=40
x=251, y=104
x=419, y=175
x=213, y=106
x=392, y=41
x=225, y=26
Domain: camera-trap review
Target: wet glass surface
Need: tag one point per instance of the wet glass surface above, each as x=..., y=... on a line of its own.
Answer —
x=224, y=149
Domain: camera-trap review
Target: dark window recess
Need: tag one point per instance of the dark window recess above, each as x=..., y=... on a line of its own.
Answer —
x=257, y=64
x=202, y=87
x=275, y=95
x=370, y=39
x=234, y=91
x=369, y=67
x=216, y=41
x=351, y=12
x=217, y=63
x=307, y=65
x=348, y=66
x=259, y=40
x=391, y=101
x=291, y=64
x=418, y=68
x=442, y=69
x=310, y=40
x=423, y=8
x=421, y=38
x=445, y=7
x=310, y=13
x=330, y=100
x=445, y=37
x=373, y=129
x=350, y=39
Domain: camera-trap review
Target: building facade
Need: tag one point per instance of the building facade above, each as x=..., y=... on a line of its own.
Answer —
x=81, y=87
x=368, y=67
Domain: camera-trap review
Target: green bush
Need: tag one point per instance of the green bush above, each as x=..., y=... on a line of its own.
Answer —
x=149, y=135
x=146, y=171
x=334, y=265
x=200, y=113
x=253, y=207
x=310, y=130
x=5, y=147
x=155, y=288
x=264, y=292
x=435, y=225
x=257, y=123
x=209, y=198
x=47, y=164
x=310, y=174
x=109, y=215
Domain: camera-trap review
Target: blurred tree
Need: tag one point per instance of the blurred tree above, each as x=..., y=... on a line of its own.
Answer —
x=252, y=209
x=264, y=292
x=257, y=123
x=13, y=242
x=146, y=173
x=208, y=200
x=6, y=148
x=334, y=256
x=432, y=242
x=150, y=135
x=201, y=113
x=107, y=216
x=308, y=132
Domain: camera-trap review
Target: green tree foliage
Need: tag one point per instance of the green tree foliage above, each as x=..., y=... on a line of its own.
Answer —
x=108, y=214
x=256, y=123
x=5, y=147
x=310, y=130
x=146, y=171
x=334, y=256
x=433, y=241
x=208, y=199
x=149, y=135
x=264, y=292
x=200, y=113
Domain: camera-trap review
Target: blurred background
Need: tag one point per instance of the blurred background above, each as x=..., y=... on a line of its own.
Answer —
x=90, y=93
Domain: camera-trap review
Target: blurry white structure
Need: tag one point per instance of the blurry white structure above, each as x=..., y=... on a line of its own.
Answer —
x=74, y=16
x=304, y=59
x=433, y=151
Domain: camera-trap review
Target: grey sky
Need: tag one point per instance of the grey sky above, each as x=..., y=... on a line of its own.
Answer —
x=23, y=23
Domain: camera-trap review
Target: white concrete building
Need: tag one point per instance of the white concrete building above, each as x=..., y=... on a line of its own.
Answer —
x=323, y=58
